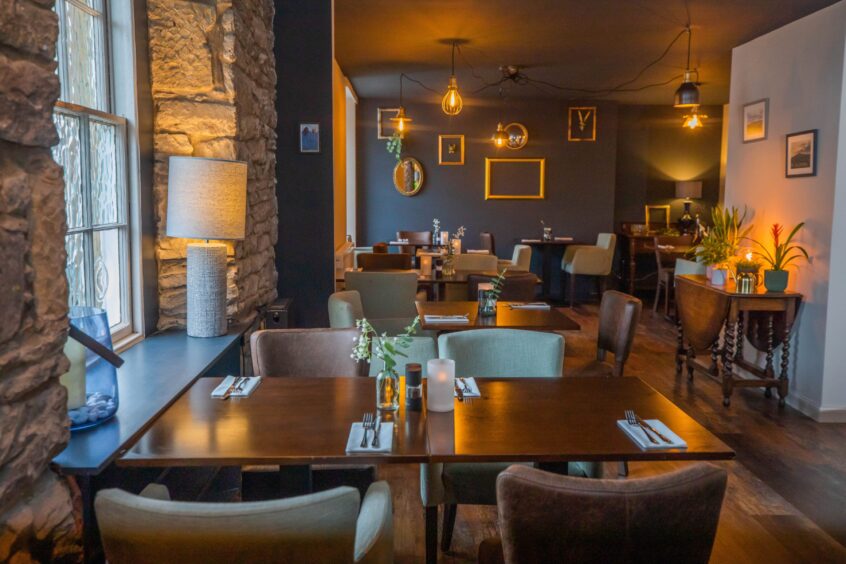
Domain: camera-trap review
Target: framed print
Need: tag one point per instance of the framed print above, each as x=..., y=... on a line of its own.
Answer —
x=581, y=124
x=755, y=116
x=801, y=154
x=450, y=149
x=384, y=125
x=515, y=179
x=309, y=138
x=649, y=212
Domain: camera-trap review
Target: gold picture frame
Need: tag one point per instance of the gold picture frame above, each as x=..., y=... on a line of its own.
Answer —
x=648, y=209
x=451, y=159
x=383, y=122
x=584, y=127
x=541, y=172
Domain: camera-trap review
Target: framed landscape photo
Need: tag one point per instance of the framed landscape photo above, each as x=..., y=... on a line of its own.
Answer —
x=309, y=138
x=801, y=154
x=581, y=123
x=384, y=125
x=450, y=149
x=755, y=116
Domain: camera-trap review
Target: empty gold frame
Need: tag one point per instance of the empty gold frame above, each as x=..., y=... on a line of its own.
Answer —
x=648, y=211
x=503, y=175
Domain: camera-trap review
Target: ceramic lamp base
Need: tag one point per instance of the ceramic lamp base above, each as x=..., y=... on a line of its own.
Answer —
x=206, y=290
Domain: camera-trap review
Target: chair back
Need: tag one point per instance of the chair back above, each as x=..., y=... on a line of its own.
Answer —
x=522, y=258
x=384, y=294
x=665, y=257
x=546, y=517
x=344, y=309
x=415, y=239
x=476, y=262
x=486, y=240
x=384, y=261
x=618, y=317
x=419, y=350
x=380, y=247
x=305, y=352
x=319, y=527
x=516, y=287
x=504, y=353
x=607, y=242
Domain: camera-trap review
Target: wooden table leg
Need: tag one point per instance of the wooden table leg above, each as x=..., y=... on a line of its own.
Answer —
x=632, y=265
x=783, y=382
x=432, y=535
x=680, y=352
x=728, y=359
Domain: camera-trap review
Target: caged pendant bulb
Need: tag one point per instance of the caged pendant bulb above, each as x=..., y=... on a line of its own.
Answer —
x=452, y=103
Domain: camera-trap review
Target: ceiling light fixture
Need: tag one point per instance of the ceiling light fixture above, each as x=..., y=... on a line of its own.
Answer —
x=687, y=95
x=694, y=119
x=400, y=120
x=452, y=103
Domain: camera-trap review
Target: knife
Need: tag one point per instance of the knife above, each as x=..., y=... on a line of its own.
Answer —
x=375, y=443
x=643, y=423
x=231, y=388
x=459, y=391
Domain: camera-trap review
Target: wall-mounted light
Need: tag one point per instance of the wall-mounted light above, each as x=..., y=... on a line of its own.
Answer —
x=452, y=103
x=401, y=120
x=500, y=138
x=687, y=95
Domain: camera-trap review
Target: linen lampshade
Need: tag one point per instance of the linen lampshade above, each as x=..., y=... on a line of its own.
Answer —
x=689, y=189
x=206, y=198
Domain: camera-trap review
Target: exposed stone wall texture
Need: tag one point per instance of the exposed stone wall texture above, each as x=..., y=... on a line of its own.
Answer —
x=36, y=511
x=214, y=90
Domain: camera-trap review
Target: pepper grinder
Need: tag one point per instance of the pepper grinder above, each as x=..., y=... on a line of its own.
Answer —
x=413, y=387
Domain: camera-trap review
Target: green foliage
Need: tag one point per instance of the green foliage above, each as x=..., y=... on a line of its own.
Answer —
x=369, y=344
x=496, y=285
x=394, y=146
x=722, y=242
x=783, y=252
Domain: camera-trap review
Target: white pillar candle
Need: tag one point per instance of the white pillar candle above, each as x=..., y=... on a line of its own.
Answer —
x=456, y=246
x=440, y=384
x=444, y=237
x=426, y=265
x=74, y=378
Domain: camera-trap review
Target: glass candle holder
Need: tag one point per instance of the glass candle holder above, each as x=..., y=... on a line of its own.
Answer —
x=440, y=384
x=101, y=389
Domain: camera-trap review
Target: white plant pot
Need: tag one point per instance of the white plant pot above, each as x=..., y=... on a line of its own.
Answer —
x=708, y=271
x=719, y=277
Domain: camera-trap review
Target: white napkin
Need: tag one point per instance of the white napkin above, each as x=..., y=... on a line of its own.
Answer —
x=477, y=252
x=446, y=319
x=386, y=438
x=245, y=391
x=530, y=240
x=529, y=305
x=470, y=384
x=563, y=238
x=637, y=434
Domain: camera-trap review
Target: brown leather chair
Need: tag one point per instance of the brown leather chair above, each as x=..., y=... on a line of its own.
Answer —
x=416, y=240
x=305, y=352
x=517, y=287
x=381, y=247
x=384, y=261
x=545, y=517
x=619, y=314
x=667, y=250
x=486, y=240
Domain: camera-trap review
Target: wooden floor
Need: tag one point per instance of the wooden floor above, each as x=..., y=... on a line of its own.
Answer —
x=786, y=499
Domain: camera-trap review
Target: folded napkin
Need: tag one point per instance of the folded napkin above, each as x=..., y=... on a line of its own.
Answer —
x=530, y=240
x=477, y=252
x=529, y=305
x=469, y=384
x=563, y=238
x=448, y=319
x=245, y=391
x=666, y=247
x=386, y=438
x=638, y=435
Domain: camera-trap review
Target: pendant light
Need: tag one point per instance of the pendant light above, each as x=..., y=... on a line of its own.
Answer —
x=401, y=120
x=694, y=120
x=500, y=138
x=687, y=95
x=452, y=104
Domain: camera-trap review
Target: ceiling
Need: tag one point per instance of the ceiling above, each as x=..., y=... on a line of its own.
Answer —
x=589, y=44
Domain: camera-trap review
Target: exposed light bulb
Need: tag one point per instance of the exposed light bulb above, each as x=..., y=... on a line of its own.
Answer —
x=452, y=103
x=500, y=137
x=694, y=120
x=400, y=120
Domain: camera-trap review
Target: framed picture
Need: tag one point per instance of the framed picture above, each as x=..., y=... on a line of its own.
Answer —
x=581, y=124
x=801, y=154
x=309, y=138
x=755, y=116
x=384, y=125
x=649, y=213
x=450, y=149
x=515, y=179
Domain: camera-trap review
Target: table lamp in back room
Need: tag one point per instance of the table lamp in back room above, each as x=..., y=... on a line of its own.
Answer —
x=688, y=189
x=206, y=199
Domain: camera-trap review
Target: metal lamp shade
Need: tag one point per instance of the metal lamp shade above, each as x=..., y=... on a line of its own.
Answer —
x=689, y=189
x=687, y=95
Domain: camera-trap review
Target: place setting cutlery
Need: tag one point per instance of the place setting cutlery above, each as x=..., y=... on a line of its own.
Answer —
x=649, y=435
x=466, y=389
x=462, y=318
x=370, y=435
x=237, y=387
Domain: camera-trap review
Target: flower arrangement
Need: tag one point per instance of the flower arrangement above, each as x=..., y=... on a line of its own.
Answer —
x=784, y=252
x=394, y=146
x=455, y=236
x=369, y=344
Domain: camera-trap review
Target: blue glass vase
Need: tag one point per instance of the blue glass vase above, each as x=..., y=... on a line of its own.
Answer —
x=101, y=389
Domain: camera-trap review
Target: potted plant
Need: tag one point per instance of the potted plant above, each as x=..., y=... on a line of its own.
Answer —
x=784, y=253
x=721, y=243
x=369, y=345
x=487, y=305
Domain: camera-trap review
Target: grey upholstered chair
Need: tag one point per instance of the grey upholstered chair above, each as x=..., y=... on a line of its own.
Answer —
x=323, y=527
x=546, y=517
x=385, y=294
x=420, y=350
x=502, y=353
x=516, y=287
x=589, y=260
x=521, y=259
x=305, y=352
x=619, y=314
x=345, y=308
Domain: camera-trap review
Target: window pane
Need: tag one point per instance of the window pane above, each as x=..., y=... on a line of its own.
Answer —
x=104, y=199
x=107, y=272
x=67, y=154
x=85, y=54
x=74, y=244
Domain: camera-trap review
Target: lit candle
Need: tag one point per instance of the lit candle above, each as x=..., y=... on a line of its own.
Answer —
x=749, y=256
x=426, y=265
x=444, y=237
x=440, y=384
x=74, y=378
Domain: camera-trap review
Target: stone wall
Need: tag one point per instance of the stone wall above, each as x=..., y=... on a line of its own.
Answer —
x=36, y=521
x=213, y=85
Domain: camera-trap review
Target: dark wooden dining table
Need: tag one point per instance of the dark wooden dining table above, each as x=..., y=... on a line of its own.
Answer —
x=506, y=317
x=550, y=253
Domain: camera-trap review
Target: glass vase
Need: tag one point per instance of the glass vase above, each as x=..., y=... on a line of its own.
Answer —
x=100, y=383
x=449, y=265
x=487, y=305
x=387, y=390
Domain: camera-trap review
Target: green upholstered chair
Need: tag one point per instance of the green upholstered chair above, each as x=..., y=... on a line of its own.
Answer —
x=323, y=527
x=521, y=259
x=589, y=260
x=384, y=294
x=483, y=353
x=420, y=350
x=345, y=308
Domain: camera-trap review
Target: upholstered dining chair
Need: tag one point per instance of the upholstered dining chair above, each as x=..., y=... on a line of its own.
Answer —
x=482, y=353
x=619, y=314
x=546, y=517
x=666, y=253
x=486, y=242
x=345, y=308
x=384, y=261
x=385, y=294
x=304, y=352
x=324, y=527
x=465, y=263
x=516, y=287
x=589, y=260
x=521, y=259
x=380, y=247
x=419, y=350
x=416, y=239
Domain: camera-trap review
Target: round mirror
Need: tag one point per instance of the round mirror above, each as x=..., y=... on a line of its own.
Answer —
x=517, y=134
x=408, y=176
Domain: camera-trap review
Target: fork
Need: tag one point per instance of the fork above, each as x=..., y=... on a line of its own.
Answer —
x=366, y=421
x=631, y=419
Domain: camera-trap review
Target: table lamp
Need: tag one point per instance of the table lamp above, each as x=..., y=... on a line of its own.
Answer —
x=688, y=189
x=206, y=199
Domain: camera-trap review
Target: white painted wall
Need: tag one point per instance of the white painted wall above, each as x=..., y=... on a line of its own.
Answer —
x=800, y=68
